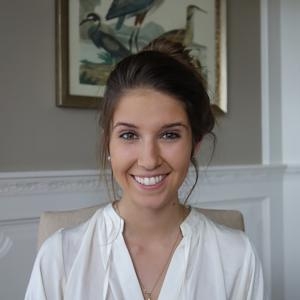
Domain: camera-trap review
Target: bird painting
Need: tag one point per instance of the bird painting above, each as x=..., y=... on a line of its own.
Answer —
x=123, y=9
x=111, y=37
x=102, y=39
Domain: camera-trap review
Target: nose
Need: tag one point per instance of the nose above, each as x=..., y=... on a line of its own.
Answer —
x=149, y=155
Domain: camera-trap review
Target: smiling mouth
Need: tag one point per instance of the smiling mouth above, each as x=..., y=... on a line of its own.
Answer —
x=149, y=181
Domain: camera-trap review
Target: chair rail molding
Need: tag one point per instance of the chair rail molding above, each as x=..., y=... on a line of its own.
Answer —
x=51, y=181
x=14, y=183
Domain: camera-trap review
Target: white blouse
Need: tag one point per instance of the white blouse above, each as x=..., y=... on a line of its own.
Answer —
x=91, y=261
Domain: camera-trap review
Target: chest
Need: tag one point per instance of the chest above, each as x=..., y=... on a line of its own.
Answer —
x=150, y=263
x=191, y=273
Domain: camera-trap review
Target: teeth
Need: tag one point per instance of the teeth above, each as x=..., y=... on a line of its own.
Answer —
x=149, y=180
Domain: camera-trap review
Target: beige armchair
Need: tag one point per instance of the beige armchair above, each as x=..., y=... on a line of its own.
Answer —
x=51, y=221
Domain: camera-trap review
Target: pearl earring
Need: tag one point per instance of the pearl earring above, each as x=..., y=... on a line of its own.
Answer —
x=108, y=158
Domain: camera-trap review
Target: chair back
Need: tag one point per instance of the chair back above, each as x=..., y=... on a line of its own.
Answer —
x=51, y=221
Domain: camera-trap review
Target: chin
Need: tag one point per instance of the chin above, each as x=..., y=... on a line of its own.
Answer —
x=154, y=202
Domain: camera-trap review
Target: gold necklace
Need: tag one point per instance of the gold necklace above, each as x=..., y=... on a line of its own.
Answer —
x=148, y=294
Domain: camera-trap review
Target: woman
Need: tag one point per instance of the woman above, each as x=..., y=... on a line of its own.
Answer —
x=147, y=245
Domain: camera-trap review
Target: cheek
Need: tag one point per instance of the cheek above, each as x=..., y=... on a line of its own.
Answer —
x=121, y=152
x=119, y=169
x=122, y=157
x=179, y=156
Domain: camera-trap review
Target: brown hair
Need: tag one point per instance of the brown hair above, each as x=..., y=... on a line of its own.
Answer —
x=166, y=67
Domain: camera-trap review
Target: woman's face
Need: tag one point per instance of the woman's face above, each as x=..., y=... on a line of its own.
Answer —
x=150, y=147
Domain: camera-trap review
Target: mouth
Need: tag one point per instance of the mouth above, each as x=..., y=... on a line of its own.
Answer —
x=149, y=181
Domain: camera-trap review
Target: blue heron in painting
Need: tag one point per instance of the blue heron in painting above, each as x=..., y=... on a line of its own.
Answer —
x=122, y=9
x=102, y=39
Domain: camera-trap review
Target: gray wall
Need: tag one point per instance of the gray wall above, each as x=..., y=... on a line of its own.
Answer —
x=36, y=135
x=239, y=132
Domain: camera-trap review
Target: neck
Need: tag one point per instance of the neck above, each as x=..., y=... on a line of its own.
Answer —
x=148, y=223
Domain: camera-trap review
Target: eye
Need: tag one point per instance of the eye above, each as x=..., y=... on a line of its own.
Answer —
x=170, y=135
x=128, y=136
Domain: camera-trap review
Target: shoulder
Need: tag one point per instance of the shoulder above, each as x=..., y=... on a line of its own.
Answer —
x=201, y=218
x=51, y=250
x=65, y=243
x=48, y=274
x=74, y=237
x=231, y=255
x=57, y=255
x=230, y=242
x=82, y=242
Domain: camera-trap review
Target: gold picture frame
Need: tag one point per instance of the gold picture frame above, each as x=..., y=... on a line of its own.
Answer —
x=68, y=15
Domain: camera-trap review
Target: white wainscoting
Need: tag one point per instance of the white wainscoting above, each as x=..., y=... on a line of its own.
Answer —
x=291, y=233
x=257, y=191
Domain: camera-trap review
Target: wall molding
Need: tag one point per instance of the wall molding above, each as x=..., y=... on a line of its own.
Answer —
x=27, y=183
x=293, y=169
x=5, y=245
x=241, y=174
x=14, y=183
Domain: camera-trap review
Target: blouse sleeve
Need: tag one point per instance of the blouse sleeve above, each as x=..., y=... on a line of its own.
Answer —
x=256, y=289
x=47, y=277
x=249, y=284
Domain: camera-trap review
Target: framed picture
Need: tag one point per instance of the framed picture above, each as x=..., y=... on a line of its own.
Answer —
x=93, y=35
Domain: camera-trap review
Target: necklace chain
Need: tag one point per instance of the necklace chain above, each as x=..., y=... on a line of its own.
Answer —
x=148, y=293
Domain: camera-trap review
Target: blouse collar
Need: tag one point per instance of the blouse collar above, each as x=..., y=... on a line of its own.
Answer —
x=188, y=226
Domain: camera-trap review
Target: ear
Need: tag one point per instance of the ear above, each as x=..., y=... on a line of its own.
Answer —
x=197, y=148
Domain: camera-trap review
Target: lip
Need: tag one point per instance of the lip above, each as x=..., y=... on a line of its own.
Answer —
x=149, y=181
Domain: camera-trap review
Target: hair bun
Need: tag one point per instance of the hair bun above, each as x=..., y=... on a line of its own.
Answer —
x=166, y=46
x=178, y=52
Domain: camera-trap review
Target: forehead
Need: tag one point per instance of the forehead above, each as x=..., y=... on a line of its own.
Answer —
x=145, y=105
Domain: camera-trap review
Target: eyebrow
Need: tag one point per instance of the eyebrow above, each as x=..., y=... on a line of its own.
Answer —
x=175, y=124
x=124, y=124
